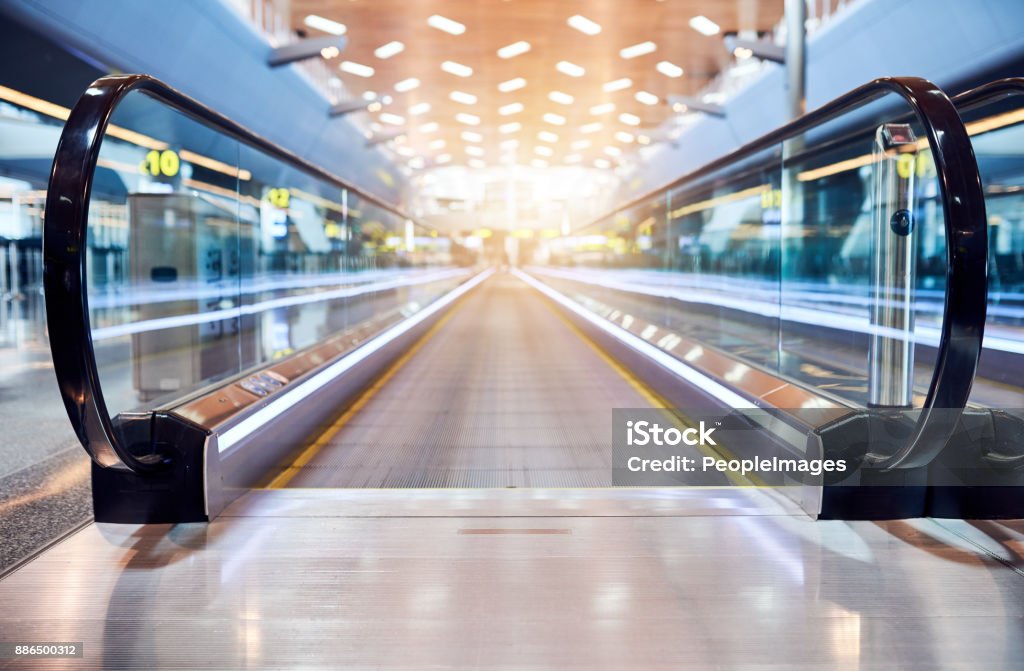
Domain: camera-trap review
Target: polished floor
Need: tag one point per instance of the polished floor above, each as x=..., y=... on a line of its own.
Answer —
x=526, y=579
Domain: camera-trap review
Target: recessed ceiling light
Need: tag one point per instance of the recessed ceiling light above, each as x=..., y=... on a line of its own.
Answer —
x=419, y=109
x=669, y=69
x=636, y=50
x=571, y=69
x=539, y=163
x=617, y=85
x=468, y=119
x=603, y=108
x=463, y=97
x=560, y=98
x=428, y=127
x=544, y=151
x=623, y=136
x=590, y=128
x=473, y=150
x=443, y=158
x=393, y=119
x=704, y=25
x=507, y=128
x=613, y=151
x=573, y=158
x=509, y=144
x=580, y=145
x=437, y=144
x=556, y=119
x=388, y=50
x=646, y=98
x=476, y=163
x=457, y=69
x=601, y=163
x=512, y=85
x=470, y=136
x=629, y=119
x=584, y=25
x=511, y=108
x=357, y=69
x=326, y=25
x=547, y=136
x=514, y=49
x=446, y=24
x=407, y=85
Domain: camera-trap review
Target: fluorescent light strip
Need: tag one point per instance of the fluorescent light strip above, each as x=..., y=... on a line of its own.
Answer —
x=286, y=400
x=704, y=26
x=636, y=50
x=468, y=119
x=470, y=136
x=445, y=24
x=511, y=108
x=584, y=25
x=357, y=69
x=419, y=109
x=571, y=69
x=457, y=69
x=407, y=85
x=603, y=108
x=388, y=50
x=555, y=119
x=561, y=98
x=646, y=98
x=326, y=25
x=669, y=69
x=514, y=49
x=703, y=382
x=463, y=97
x=512, y=85
x=617, y=85
x=147, y=325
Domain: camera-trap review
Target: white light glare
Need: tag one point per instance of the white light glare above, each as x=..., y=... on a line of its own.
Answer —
x=584, y=25
x=514, y=49
x=636, y=50
x=446, y=24
x=326, y=25
x=704, y=25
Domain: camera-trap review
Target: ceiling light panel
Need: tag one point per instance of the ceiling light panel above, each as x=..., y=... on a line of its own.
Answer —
x=554, y=119
x=512, y=85
x=547, y=136
x=571, y=69
x=326, y=25
x=507, y=128
x=669, y=69
x=473, y=150
x=511, y=108
x=623, y=136
x=590, y=128
x=388, y=50
x=544, y=151
x=560, y=98
x=463, y=97
x=617, y=85
x=457, y=69
x=429, y=127
x=638, y=50
x=629, y=119
x=646, y=98
x=357, y=69
x=604, y=108
x=393, y=119
x=514, y=49
x=584, y=25
x=407, y=85
x=419, y=109
x=468, y=119
x=445, y=24
x=704, y=25
x=471, y=136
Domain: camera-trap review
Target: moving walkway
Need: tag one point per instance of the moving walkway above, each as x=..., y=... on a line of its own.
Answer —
x=829, y=291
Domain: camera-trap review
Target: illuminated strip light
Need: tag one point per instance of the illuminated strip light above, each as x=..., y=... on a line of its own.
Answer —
x=303, y=390
x=702, y=205
x=979, y=127
x=925, y=335
x=161, y=323
x=230, y=194
x=705, y=383
x=215, y=165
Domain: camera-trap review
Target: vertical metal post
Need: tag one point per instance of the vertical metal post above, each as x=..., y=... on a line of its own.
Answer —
x=891, y=353
x=796, y=53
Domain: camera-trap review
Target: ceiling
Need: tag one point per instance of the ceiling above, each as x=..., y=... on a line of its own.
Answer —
x=493, y=24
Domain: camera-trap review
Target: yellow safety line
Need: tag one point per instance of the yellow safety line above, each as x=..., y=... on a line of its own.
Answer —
x=655, y=399
x=324, y=439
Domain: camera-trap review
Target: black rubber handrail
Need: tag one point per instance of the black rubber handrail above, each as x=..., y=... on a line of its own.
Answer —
x=64, y=244
x=963, y=205
x=972, y=99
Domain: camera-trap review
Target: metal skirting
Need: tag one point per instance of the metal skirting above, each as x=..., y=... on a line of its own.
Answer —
x=503, y=393
x=331, y=579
